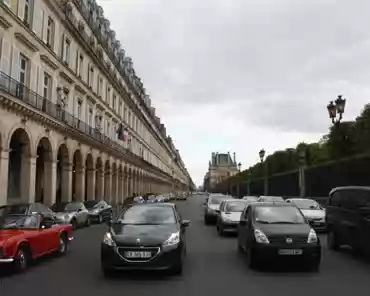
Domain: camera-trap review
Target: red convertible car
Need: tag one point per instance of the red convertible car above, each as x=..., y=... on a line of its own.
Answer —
x=27, y=237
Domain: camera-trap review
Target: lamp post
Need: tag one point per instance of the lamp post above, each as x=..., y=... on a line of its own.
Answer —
x=301, y=172
x=262, y=154
x=336, y=109
x=239, y=166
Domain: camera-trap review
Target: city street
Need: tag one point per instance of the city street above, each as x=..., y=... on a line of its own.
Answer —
x=213, y=267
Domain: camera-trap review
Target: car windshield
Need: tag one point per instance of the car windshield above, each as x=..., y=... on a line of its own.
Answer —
x=216, y=200
x=306, y=204
x=235, y=206
x=14, y=210
x=250, y=198
x=91, y=204
x=147, y=215
x=278, y=215
x=272, y=198
x=65, y=207
x=20, y=222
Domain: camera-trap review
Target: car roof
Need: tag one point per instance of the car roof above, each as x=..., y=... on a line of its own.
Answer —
x=270, y=204
x=18, y=205
x=300, y=199
x=365, y=188
x=152, y=205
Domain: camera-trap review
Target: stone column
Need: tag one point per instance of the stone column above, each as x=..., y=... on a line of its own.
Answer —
x=67, y=171
x=100, y=184
x=120, y=187
x=50, y=182
x=4, y=168
x=91, y=183
x=28, y=177
x=114, y=191
x=80, y=183
x=107, y=186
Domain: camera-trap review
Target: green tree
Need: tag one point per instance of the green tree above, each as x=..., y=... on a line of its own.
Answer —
x=362, y=130
x=342, y=141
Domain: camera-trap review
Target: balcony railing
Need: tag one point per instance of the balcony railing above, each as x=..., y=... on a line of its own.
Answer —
x=22, y=93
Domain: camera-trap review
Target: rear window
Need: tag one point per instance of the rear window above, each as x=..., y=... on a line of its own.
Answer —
x=350, y=199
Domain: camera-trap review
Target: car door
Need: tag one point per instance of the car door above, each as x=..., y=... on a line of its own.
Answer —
x=364, y=217
x=242, y=227
x=80, y=213
x=249, y=231
x=84, y=213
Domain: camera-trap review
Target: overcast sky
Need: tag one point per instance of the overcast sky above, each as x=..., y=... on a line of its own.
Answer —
x=241, y=75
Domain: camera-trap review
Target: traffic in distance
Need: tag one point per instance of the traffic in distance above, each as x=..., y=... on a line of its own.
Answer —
x=149, y=233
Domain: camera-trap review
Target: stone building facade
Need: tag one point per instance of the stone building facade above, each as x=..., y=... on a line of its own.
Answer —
x=75, y=120
x=221, y=166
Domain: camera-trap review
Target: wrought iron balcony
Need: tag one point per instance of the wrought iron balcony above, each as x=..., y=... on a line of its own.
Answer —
x=22, y=93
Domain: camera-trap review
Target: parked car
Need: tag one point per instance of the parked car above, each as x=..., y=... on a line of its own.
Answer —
x=98, y=210
x=25, y=237
x=74, y=213
x=312, y=211
x=26, y=209
x=145, y=236
x=212, y=205
x=250, y=198
x=277, y=231
x=271, y=199
x=348, y=218
x=229, y=215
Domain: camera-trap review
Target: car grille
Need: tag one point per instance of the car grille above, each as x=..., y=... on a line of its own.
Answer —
x=283, y=240
x=153, y=250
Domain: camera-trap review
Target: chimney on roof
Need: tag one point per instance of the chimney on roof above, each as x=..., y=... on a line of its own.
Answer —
x=234, y=158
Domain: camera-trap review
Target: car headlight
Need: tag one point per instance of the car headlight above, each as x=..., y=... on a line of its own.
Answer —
x=261, y=238
x=174, y=239
x=312, y=237
x=108, y=240
x=95, y=211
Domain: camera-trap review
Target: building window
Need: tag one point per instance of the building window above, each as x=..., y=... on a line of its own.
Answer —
x=91, y=76
x=108, y=129
x=129, y=118
x=79, y=109
x=47, y=86
x=124, y=113
x=80, y=65
x=67, y=51
x=90, y=116
x=23, y=61
x=114, y=101
x=108, y=94
x=100, y=86
x=50, y=32
x=26, y=12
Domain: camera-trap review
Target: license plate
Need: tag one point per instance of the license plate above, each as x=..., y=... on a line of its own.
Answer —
x=143, y=255
x=290, y=252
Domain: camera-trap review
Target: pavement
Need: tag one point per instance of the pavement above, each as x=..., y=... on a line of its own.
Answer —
x=213, y=267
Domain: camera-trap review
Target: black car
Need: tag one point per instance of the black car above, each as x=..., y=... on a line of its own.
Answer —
x=277, y=231
x=348, y=218
x=99, y=210
x=145, y=237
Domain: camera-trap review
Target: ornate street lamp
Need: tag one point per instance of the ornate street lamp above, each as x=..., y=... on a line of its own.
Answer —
x=262, y=154
x=336, y=108
x=239, y=166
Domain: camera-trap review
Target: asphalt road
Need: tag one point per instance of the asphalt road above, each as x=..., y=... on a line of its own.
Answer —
x=213, y=267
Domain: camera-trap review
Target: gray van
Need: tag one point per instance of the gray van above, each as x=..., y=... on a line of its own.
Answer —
x=348, y=218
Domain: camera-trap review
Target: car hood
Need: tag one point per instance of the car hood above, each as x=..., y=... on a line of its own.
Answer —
x=62, y=215
x=148, y=234
x=234, y=216
x=284, y=229
x=7, y=234
x=313, y=213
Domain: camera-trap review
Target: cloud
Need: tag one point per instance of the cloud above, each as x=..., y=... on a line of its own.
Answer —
x=240, y=75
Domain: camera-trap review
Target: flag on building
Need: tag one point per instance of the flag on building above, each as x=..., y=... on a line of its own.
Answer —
x=126, y=135
x=120, y=133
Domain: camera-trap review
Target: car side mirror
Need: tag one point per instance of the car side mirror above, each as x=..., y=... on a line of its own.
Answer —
x=185, y=223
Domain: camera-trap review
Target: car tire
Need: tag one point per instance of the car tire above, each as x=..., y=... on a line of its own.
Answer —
x=107, y=272
x=63, y=244
x=252, y=259
x=177, y=268
x=21, y=259
x=207, y=220
x=333, y=243
x=220, y=230
x=74, y=224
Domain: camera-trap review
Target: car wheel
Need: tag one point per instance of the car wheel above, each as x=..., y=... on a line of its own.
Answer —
x=63, y=244
x=100, y=219
x=88, y=222
x=333, y=243
x=21, y=260
x=220, y=230
x=74, y=224
x=252, y=259
x=206, y=220
x=177, y=268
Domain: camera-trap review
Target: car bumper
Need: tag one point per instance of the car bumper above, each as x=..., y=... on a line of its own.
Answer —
x=318, y=226
x=94, y=217
x=229, y=226
x=265, y=252
x=211, y=215
x=164, y=260
x=6, y=260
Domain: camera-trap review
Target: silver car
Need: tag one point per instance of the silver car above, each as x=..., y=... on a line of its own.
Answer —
x=74, y=213
x=312, y=211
